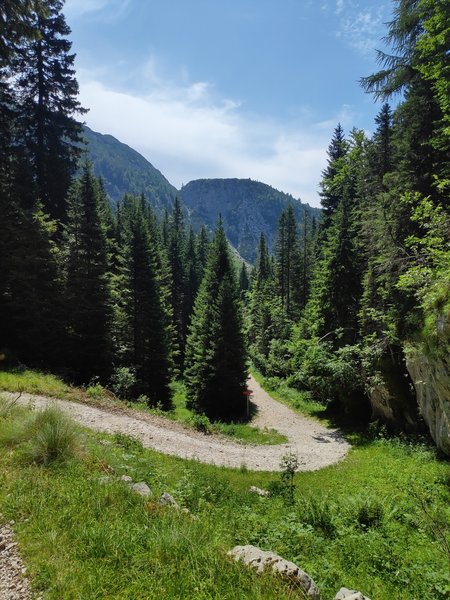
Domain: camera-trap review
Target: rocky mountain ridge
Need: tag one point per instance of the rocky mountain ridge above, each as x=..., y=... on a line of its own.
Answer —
x=247, y=207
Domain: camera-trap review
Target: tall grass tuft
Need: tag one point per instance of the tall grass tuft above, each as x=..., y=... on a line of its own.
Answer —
x=53, y=437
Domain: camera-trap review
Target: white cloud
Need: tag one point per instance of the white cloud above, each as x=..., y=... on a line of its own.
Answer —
x=361, y=24
x=188, y=132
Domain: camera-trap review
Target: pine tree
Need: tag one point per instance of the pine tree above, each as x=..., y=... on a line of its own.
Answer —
x=288, y=262
x=31, y=329
x=47, y=91
x=145, y=329
x=191, y=282
x=329, y=196
x=263, y=268
x=216, y=370
x=202, y=251
x=88, y=293
x=244, y=281
x=175, y=252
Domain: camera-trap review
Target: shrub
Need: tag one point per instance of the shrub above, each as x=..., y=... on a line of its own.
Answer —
x=123, y=382
x=95, y=391
x=285, y=487
x=201, y=423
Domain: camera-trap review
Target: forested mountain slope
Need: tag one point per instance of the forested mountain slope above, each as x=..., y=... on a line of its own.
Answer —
x=125, y=171
x=248, y=208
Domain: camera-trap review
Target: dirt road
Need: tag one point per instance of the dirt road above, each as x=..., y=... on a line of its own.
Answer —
x=315, y=445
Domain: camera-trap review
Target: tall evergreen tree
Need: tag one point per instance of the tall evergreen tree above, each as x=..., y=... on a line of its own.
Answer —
x=288, y=262
x=47, y=91
x=88, y=293
x=244, y=281
x=216, y=369
x=176, y=255
x=329, y=196
x=145, y=331
x=31, y=317
x=202, y=250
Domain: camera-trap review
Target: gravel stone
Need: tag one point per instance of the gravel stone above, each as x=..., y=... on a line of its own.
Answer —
x=13, y=583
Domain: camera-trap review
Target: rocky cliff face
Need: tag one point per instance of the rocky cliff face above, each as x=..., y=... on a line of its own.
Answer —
x=431, y=377
x=393, y=400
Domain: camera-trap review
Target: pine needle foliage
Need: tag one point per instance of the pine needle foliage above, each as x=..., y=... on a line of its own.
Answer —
x=216, y=369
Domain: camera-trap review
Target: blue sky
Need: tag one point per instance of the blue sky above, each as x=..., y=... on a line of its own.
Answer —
x=229, y=88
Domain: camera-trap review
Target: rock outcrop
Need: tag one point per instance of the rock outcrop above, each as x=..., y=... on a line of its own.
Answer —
x=261, y=559
x=393, y=400
x=431, y=378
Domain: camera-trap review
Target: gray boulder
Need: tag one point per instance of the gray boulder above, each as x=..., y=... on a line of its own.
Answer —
x=168, y=500
x=260, y=560
x=141, y=488
x=346, y=594
x=126, y=479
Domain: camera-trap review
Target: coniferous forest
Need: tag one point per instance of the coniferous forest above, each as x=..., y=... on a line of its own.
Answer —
x=131, y=308
x=349, y=308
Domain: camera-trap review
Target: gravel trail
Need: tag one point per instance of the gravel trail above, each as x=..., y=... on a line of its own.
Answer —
x=315, y=445
x=13, y=583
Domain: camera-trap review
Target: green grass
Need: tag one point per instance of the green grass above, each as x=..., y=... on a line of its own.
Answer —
x=34, y=382
x=239, y=431
x=379, y=521
x=279, y=390
x=43, y=384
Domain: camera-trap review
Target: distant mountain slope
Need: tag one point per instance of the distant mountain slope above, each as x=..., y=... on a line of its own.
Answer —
x=247, y=208
x=124, y=170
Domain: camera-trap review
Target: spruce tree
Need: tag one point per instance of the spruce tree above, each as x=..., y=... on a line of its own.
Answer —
x=175, y=252
x=202, y=250
x=88, y=293
x=244, y=281
x=145, y=331
x=31, y=306
x=216, y=369
x=288, y=262
x=47, y=92
x=191, y=281
x=329, y=196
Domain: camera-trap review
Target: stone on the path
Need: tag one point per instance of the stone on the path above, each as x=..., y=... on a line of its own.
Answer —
x=346, y=594
x=126, y=479
x=259, y=492
x=141, y=488
x=168, y=500
x=261, y=559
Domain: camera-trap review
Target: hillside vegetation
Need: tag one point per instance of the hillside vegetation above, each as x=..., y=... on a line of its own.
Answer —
x=248, y=208
x=377, y=522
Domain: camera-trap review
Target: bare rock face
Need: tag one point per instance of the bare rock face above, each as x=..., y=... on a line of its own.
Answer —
x=393, y=400
x=260, y=560
x=346, y=594
x=431, y=379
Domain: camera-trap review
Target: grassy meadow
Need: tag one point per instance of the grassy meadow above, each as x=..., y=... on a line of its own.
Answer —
x=379, y=521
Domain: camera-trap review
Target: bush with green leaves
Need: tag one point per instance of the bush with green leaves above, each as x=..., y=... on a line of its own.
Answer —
x=123, y=382
x=201, y=423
